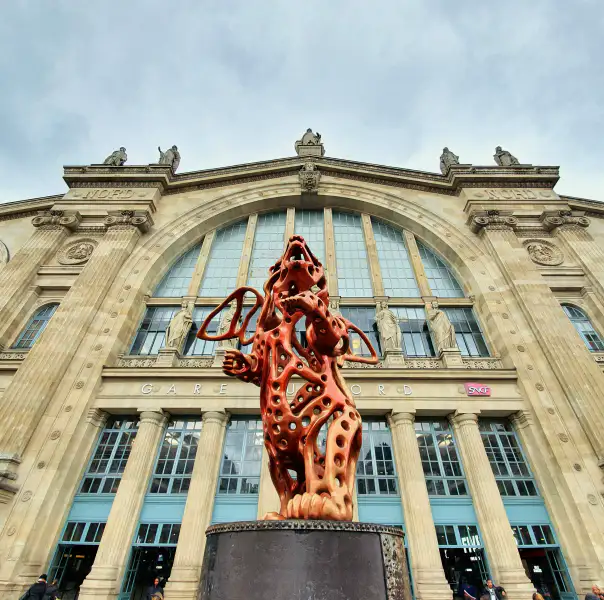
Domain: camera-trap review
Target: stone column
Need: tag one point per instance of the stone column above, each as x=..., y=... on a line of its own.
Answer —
x=268, y=499
x=502, y=551
x=186, y=570
x=578, y=375
x=34, y=384
x=52, y=227
x=105, y=578
x=428, y=575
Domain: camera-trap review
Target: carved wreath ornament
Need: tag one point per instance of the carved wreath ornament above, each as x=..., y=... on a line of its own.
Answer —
x=76, y=253
x=544, y=253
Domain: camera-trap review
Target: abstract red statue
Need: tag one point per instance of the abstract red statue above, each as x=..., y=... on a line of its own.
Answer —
x=297, y=289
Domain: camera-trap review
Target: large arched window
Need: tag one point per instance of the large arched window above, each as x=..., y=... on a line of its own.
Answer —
x=364, y=257
x=35, y=326
x=584, y=328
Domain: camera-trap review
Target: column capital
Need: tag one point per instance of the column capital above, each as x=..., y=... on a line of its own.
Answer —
x=153, y=417
x=462, y=418
x=522, y=419
x=127, y=219
x=492, y=220
x=216, y=416
x=97, y=417
x=553, y=219
x=401, y=418
x=57, y=219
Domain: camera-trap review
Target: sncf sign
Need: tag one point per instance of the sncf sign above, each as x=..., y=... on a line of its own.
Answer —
x=477, y=389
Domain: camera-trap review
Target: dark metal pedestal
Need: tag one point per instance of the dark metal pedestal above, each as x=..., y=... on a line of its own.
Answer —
x=304, y=560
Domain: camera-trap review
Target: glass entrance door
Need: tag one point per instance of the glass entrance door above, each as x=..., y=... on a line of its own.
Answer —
x=70, y=566
x=544, y=568
x=146, y=563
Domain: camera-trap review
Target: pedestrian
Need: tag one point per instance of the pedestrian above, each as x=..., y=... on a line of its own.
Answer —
x=595, y=593
x=37, y=590
x=155, y=591
x=52, y=591
x=537, y=596
x=493, y=592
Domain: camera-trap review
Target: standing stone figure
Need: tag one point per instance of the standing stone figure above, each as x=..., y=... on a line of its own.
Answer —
x=179, y=326
x=447, y=158
x=442, y=330
x=310, y=144
x=224, y=326
x=170, y=157
x=117, y=158
x=334, y=307
x=388, y=327
x=504, y=158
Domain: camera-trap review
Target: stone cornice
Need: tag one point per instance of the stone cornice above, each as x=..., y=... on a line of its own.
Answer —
x=27, y=208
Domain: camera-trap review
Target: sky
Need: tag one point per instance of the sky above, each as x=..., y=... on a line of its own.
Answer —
x=384, y=81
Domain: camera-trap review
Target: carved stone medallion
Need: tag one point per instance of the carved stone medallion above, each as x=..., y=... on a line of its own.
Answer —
x=76, y=253
x=544, y=253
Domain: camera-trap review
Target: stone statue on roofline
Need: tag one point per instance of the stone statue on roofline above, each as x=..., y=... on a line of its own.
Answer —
x=447, y=158
x=170, y=157
x=116, y=158
x=310, y=144
x=504, y=158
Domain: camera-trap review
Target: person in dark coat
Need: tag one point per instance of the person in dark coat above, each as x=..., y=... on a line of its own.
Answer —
x=493, y=592
x=37, y=590
x=52, y=591
x=155, y=590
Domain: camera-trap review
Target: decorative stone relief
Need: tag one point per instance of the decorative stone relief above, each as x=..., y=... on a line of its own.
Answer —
x=482, y=363
x=355, y=365
x=55, y=435
x=310, y=144
x=309, y=177
x=56, y=219
x=423, y=363
x=491, y=220
x=563, y=437
x=195, y=363
x=76, y=253
x=135, y=362
x=544, y=253
x=563, y=218
x=125, y=219
x=27, y=496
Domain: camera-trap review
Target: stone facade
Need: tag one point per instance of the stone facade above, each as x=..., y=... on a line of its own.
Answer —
x=518, y=249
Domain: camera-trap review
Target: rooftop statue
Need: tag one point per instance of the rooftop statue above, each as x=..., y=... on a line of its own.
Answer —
x=504, y=158
x=447, y=158
x=310, y=144
x=170, y=157
x=296, y=290
x=116, y=158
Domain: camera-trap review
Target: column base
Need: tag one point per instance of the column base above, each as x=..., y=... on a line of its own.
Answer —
x=451, y=359
x=431, y=584
x=517, y=585
x=167, y=357
x=183, y=583
x=101, y=584
x=394, y=358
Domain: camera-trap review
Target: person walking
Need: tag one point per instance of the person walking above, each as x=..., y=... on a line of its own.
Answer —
x=155, y=591
x=52, y=591
x=37, y=590
x=595, y=593
x=493, y=592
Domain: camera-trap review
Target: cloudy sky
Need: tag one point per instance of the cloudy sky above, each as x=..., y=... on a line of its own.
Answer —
x=384, y=81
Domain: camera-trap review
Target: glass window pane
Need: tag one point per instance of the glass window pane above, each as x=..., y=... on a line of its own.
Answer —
x=364, y=319
x=269, y=241
x=416, y=335
x=177, y=279
x=152, y=330
x=376, y=473
x=584, y=328
x=35, y=326
x=309, y=224
x=467, y=332
x=440, y=277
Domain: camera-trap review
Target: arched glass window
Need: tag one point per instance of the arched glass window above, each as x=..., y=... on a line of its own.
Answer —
x=269, y=241
x=441, y=279
x=397, y=273
x=310, y=225
x=584, y=328
x=354, y=278
x=177, y=279
x=35, y=327
x=220, y=275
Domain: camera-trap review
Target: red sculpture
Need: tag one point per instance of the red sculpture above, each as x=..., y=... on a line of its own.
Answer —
x=297, y=289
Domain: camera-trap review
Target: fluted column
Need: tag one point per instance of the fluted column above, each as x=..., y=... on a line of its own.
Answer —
x=577, y=373
x=502, y=551
x=268, y=499
x=186, y=570
x=428, y=575
x=104, y=580
x=34, y=384
x=52, y=227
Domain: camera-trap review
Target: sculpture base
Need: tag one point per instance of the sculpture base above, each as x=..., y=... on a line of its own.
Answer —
x=303, y=560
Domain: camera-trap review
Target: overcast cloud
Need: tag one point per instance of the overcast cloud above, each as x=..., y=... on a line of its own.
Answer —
x=384, y=81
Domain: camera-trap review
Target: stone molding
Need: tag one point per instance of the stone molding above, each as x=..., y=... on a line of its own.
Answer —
x=127, y=219
x=492, y=220
x=563, y=219
x=521, y=419
x=14, y=354
x=400, y=418
x=57, y=219
x=297, y=525
x=153, y=417
x=97, y=417
x=214, y=416
x=463, y=418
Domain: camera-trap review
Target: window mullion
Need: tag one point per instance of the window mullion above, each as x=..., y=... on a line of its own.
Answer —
x=200, y=265
x=330, y=253
x=372, y=254
x=417, y=265
x=246, y=252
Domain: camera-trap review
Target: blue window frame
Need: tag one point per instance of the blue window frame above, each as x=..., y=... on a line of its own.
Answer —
x=376, y=472
x=151, y=335
x=157, y=534
x=35, y=326
x=364, y=318
x=440, y=459
x=79, y=532
x=177, y=279
x=310, y=225
x=354, y=277
x=176, y=457
x=440, y=277
x=220, y=276
x=110, y=456
x=414, y=327
x=584, y=328
x=242, y=457
x=269, y=240
x=468, y=334
x=509, y=465
x=193, y=345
